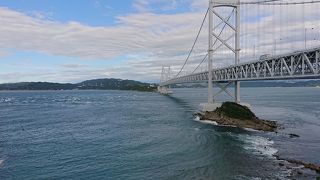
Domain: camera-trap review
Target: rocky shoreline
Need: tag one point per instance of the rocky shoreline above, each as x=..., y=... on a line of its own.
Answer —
x=310, y=166
x=236, y=115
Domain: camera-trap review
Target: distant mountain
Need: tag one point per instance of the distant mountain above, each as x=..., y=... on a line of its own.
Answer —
x=36, y=86
x=98, y=84
x=119, y=84
x=115, y=84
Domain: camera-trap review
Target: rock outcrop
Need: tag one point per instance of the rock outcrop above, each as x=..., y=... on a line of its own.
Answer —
x=311, y=166
x=233, y=114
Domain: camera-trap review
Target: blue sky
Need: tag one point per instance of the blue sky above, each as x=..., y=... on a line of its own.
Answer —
x=75, y=40
x=91, y=12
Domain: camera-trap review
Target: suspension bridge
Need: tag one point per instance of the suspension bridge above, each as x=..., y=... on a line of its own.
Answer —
x=251, y=41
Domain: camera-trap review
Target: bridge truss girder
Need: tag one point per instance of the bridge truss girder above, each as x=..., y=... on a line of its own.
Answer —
x=298, y=65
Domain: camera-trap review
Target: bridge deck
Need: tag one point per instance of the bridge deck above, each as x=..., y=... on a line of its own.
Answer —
x=297, y=65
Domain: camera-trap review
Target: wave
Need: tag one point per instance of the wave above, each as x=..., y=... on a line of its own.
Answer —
x=1, y=161
x=6, y=100
x=259, y=145
x=206, y=121
x=197, y=118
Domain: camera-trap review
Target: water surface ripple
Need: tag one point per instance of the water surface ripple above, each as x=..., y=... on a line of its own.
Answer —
x=136, y=135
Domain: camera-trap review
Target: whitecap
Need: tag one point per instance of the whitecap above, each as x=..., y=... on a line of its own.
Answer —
x=259, y=145
x=212, y=123
x=209, y=122
x=256, y=144
x=6, y=100
x=197, y=118
x=1, y=161
x=252, y=130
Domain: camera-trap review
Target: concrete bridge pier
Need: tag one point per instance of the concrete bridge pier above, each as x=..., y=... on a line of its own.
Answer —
x=164, y=90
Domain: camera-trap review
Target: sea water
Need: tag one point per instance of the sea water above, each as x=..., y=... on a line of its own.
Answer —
x=142, y=135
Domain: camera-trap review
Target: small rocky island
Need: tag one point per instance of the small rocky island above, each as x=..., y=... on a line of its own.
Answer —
x=233, y=114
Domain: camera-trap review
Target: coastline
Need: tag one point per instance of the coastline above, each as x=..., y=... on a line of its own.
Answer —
x=48, y=90
x=289, y=163
x=307, y=165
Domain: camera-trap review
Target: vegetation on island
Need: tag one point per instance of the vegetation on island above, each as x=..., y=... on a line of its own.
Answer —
x=95, y=84
x=234, y=110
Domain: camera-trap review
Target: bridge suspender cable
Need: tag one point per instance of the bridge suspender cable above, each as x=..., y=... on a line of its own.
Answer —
x=265, y=2
x=194, y=43
x=224, y=26
x=276, y=2
x=205, y=57
x=252, y=2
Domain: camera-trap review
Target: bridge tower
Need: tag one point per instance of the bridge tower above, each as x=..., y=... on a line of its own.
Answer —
x=165, y=76
x=234, y=46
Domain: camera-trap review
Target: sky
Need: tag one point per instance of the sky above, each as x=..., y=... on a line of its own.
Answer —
x=72, y=41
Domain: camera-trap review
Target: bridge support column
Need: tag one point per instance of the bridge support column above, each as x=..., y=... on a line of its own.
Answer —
x=210, y=51
x=237, y=51
x=317, y=61
x=210, y=106
x=237, y=92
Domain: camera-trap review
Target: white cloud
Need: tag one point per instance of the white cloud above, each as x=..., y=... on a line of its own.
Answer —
x=4, y=53
x=73, y=66
x=151, y=5
x=134, y=33
x=199, y=4
x=141, y=5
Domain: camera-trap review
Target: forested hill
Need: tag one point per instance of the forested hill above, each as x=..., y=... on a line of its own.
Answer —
x=116, y=84
x=99, y=84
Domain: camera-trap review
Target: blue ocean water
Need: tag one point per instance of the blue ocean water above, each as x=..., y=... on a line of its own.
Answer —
x=140, y=135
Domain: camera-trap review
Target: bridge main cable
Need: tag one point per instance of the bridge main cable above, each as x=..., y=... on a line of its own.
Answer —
x=194, y=43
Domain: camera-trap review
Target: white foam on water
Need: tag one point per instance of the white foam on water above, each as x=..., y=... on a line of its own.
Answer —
x=259, y=145
x=256, y=144
x=252, y=130
x=241, y=177
x=73, y=99
x=210, y=122
x=197, y=118
x=5, y=100
x=1, y=161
